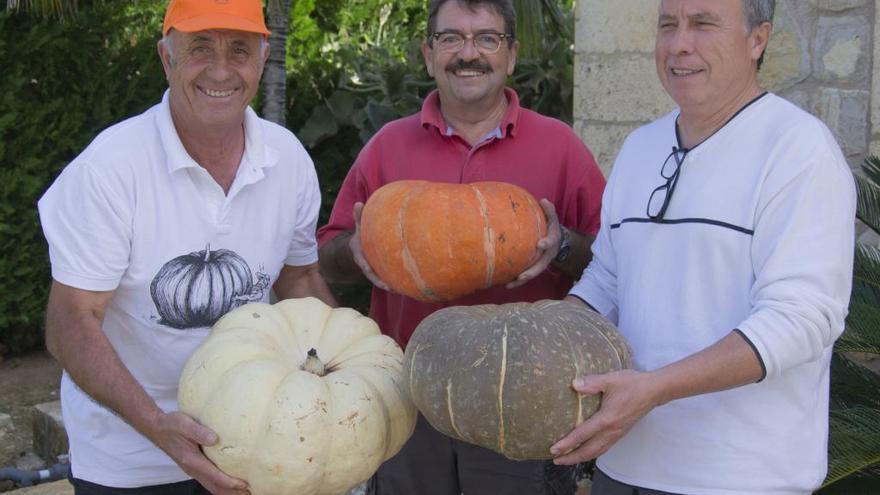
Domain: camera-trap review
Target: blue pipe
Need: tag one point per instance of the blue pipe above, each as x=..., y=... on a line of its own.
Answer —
x=23, y=477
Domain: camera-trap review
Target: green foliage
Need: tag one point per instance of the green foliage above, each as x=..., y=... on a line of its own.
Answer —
x=545, y=84
x=44, y=8
x=536, y=19
x=372, y=90
x=62, y=83
x=854, y=449
x=353, y=65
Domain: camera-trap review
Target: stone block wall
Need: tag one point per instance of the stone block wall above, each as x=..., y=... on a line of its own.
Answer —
x=823, y=55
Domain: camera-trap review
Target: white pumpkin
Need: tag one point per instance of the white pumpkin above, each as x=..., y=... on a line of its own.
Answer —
x=283, y=426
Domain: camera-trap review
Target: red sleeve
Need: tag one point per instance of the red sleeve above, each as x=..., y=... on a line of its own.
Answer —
x=583, y=196
x=354, y=189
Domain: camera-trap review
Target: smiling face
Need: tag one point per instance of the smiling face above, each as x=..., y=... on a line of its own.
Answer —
x=212, y=75
x=468, y=77
x=706, y=57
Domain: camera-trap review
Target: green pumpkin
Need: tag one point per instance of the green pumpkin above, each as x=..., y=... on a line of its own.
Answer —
x=499, y=376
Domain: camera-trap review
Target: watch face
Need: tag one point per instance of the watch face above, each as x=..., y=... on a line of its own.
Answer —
x=563, y=253
x=564, y=245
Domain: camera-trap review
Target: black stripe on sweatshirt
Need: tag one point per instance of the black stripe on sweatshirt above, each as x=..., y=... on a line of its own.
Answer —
x=676, y=221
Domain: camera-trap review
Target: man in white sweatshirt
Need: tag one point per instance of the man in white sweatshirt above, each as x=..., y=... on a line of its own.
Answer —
x=725, y=258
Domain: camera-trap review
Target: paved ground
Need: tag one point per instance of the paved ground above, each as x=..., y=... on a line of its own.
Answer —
x=25, y=381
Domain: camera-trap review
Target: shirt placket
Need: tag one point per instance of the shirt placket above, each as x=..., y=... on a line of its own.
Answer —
x=470, y=152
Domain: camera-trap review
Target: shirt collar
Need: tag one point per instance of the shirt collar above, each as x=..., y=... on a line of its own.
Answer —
x=432, y=117
x=257, y=154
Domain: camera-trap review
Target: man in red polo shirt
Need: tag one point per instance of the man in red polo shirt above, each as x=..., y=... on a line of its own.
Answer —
x=471, y=129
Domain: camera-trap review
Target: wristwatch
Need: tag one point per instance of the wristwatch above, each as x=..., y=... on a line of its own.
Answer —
x=564, y=245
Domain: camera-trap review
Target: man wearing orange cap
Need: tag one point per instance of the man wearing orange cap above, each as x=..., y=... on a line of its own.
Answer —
x=164, y=223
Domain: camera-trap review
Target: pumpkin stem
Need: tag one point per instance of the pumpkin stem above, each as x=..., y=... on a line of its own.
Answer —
x=208, y=252
x=313, y=364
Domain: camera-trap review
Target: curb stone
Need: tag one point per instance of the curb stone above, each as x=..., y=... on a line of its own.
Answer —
x=49, y=435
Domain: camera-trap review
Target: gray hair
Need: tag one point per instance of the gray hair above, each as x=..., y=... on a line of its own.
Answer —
x=169, y=45
x=756, y=13
x=502, y=7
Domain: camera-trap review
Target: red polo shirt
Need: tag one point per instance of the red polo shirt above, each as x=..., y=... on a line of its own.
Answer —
x=537, y=153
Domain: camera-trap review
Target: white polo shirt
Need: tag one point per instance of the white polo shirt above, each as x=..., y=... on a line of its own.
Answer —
x=133, y=213
x=758, y=236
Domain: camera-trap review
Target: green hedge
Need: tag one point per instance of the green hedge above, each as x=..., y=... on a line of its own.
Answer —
x=62, y=83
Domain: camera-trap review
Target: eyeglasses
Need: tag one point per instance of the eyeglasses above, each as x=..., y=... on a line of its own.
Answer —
x=486, y=42
x=662, y=194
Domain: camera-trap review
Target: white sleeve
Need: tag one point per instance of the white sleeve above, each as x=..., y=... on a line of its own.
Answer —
x=802, y=254
x=87, y=224
x=598, y=284
x=304, y=245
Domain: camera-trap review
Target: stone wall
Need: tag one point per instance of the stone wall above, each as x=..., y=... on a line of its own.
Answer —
x=823, y=56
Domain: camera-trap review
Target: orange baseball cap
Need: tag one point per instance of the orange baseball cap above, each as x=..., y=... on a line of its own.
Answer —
x=200, y=15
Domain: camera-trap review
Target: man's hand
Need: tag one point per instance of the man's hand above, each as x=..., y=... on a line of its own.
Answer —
x=357, y=252
x=548, y=247
x=627, y=396
x=180, y=437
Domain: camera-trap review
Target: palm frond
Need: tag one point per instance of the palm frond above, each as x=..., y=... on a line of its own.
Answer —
x=866, y=267
x=852, y=384
x=872, y=168
x=863, y=323
x=868, y=203
x=862, y=329
x=865, y=482
x=854, y=445
x=44, y=8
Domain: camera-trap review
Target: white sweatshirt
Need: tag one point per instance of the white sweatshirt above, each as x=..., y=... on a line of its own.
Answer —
x=758, y=236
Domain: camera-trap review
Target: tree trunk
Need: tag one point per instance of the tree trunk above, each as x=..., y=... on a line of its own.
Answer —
x=275, y=73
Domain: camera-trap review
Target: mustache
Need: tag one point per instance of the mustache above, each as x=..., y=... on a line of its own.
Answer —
x=468, y=64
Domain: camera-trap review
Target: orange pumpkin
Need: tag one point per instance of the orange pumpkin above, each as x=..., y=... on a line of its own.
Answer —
x=435, y=241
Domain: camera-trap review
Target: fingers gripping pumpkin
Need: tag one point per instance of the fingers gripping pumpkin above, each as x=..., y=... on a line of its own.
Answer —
x=305, y=399
x=436, y=242
x=499, y=376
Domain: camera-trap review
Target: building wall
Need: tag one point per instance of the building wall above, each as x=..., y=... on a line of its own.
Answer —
x=823, y=55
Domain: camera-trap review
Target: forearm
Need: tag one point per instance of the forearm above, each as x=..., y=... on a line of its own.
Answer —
x=75, y=338
x=337, y=262
x=573, y=267
x=731, y=362
x=627, y=395
x=303, y=281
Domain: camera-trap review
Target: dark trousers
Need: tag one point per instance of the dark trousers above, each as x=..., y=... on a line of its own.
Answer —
x=189, y=487
x=603, y=485
x=433, y=464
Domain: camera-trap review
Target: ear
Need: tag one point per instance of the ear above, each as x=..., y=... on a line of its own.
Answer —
x=165, y=57
x=428, y=54
x=759, y=37
x=268, y=49
x=511, y=63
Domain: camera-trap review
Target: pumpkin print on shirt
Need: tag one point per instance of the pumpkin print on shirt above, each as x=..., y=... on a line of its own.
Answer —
x=194, y=290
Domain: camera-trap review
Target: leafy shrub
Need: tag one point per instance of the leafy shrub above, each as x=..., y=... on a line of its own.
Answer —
x=62, y=83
